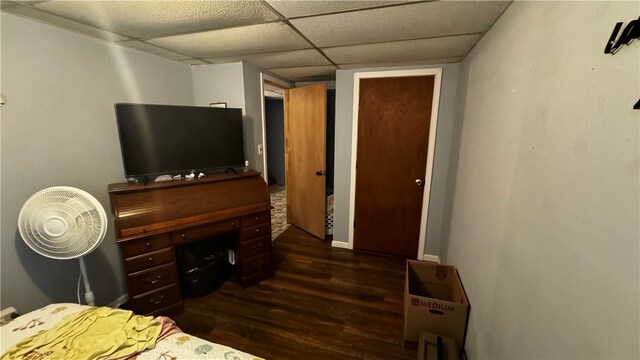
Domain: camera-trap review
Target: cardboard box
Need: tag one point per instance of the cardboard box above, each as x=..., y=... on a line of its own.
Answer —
x=434, y=301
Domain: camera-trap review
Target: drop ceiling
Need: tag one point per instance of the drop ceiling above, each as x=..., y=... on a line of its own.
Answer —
x=295, y=40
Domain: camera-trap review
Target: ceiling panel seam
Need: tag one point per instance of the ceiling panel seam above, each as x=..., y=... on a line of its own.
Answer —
x=28, y=5
x=284, y=19
x=359, y=9
x=191, y=32
x=401, y=40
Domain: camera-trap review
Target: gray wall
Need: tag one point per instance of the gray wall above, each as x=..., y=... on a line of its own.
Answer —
x=544, y=218
x=58, y=128
x=237, y=84
x=274, y=115
x=253, y=99
x=224, y=83
x=344, y=123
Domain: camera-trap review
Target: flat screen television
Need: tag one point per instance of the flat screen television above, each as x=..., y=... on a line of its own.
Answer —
x=169, y=139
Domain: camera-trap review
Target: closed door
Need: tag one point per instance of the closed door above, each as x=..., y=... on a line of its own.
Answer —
x=394, y=115
x=305, y=118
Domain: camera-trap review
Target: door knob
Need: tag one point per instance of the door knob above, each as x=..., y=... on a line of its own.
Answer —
x=418, y=182
x=320, y=173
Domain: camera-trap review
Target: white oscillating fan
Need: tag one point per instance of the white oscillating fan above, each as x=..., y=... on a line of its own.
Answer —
x=63, y=222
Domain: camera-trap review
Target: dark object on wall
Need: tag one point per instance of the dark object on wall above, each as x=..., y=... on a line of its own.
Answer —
x=203, y=267
x=630, y=33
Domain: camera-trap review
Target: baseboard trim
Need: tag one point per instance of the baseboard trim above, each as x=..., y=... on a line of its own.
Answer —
x=432, y=258
x=119, y=301
x=341, y=244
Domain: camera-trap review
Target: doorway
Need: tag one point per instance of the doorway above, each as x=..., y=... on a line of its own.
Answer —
x=308, y=144
x=273, y=116
x=394, y=128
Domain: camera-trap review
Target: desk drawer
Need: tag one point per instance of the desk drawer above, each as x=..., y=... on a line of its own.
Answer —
x=151, y=301
x=257, y=218
x=253, y=247
x=147, y=280
x=144, y=245
x=204, y=231
x=254, y=264
x=147, y=261
x=255, y=231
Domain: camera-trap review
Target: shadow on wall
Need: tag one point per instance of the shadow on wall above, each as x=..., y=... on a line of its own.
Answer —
x=58, y=279
x=454, y=160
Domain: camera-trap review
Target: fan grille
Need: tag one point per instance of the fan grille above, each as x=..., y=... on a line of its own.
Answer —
x=62, y=222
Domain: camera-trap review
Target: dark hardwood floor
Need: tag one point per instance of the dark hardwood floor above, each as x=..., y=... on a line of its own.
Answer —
x=322, y=303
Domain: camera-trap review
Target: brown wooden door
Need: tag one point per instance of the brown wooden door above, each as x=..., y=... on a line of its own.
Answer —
x=305, y=122
x=394, y=114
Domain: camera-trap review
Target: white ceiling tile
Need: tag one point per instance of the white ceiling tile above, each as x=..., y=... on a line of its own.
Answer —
x=294, y=8
x=402, y=63
x=33, y=13
x=194, y=62
x=245, y=40
x=296, y=58
x=143, y=46
x=408, y=50
x=155, y=18
x=298, y=73
x=412, y=21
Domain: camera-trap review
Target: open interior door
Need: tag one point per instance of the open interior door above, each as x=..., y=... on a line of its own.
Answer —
x=305, y=121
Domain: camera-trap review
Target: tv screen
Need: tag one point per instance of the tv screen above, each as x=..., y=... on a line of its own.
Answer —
x=168, y=139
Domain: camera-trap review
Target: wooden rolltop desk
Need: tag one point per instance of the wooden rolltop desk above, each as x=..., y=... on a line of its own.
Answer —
x=152, y=220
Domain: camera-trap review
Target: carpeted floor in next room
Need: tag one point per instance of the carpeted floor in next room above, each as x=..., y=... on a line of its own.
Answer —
x=279, y=210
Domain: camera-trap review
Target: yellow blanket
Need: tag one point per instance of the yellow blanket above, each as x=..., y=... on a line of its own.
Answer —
x=95, y=333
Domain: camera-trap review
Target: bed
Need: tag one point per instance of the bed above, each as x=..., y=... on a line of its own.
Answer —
x=173, y=344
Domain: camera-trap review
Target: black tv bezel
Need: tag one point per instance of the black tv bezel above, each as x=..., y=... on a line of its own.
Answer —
x=177, y=171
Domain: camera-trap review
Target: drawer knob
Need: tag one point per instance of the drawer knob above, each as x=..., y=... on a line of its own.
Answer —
x=232, y=224
x=155, y=280
x=183, y=235
x=257, y=230
x=156, y=300
x=257, y=218
x=258, y=263
x=147, y=245
x=150, y=259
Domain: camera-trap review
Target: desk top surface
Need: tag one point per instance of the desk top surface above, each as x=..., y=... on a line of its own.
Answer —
x=217, y=177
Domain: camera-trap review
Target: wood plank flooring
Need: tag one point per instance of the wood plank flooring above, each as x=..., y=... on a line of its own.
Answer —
x=322, y=303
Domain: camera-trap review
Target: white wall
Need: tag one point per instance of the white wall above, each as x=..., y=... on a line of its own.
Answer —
x=545, y=217
x=58, y=127
x=344, y=124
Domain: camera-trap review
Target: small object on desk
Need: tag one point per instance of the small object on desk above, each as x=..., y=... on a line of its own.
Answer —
x=177, y=177
x=201, y=175
x=231, y=256
x=433, y=346
x=163, y=178
x=190, y=176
